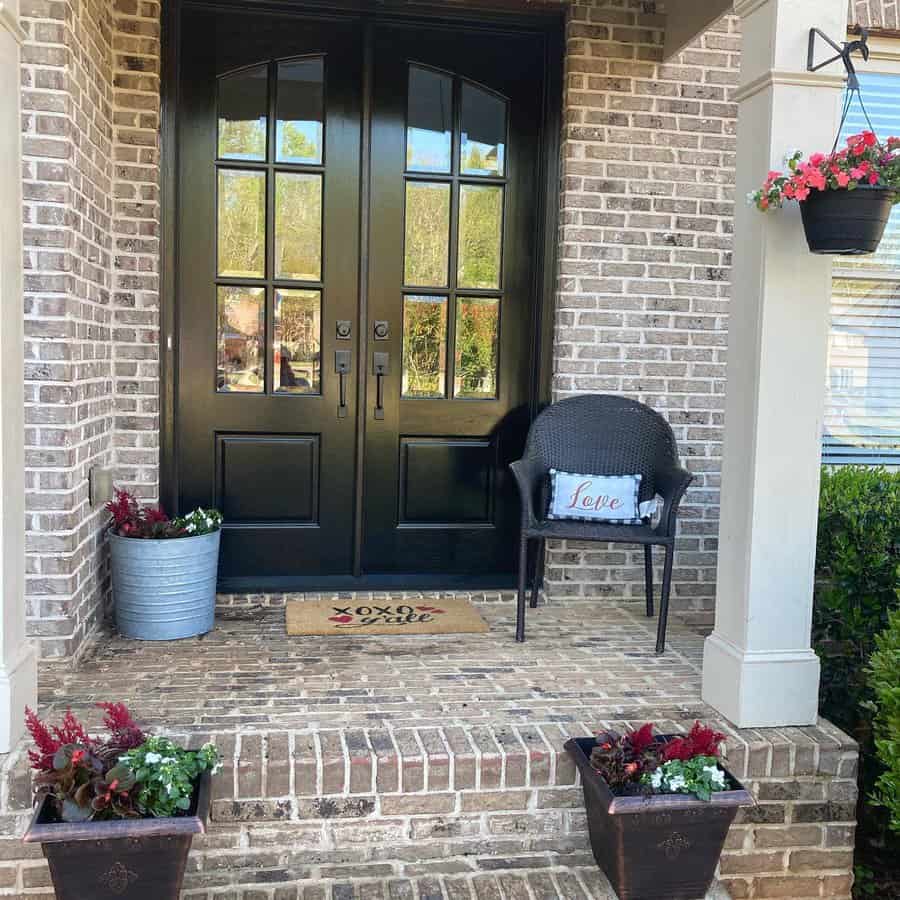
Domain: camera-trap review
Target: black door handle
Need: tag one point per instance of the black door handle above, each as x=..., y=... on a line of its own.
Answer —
x=381, y=365
x=342, y=362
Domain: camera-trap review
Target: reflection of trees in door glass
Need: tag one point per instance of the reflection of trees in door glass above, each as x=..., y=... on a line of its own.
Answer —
x=424, y=346
x=476, y=347
x=242, y=102
x=300, y=99
x=297, y=347
x=298, y=226
x=427, y=246
x=242, y=223
x=240, y=338
x=480, y=223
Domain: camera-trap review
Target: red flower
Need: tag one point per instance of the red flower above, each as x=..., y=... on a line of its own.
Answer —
x=869, y=138
x=125, y=733
x=701, y=741
x=642, y=738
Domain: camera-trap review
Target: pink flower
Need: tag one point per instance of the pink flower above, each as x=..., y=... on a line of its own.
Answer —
x=816, y=180
x=873, y=178
x=869, y=138
x=801, y=193
x=843, y=179
x=859, y=172
x=817, y=159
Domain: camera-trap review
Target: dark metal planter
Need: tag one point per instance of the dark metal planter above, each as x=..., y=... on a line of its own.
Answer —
x=141, y=859
x=655, y=847
x=846, y=223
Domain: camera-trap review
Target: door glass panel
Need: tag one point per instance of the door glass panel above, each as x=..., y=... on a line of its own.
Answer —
x=429, y=127
x=300, y=102
x=242, y=223
x=477, y=329
x=242, y=103
x=427, y=247
x=424, y=346
x=298, y=339
x=482, y=132
x=480, y=226
x=241, y=335
x=298, y=226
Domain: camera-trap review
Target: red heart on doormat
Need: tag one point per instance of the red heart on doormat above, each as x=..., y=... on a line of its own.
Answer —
x=424, y=608
x=342, y=619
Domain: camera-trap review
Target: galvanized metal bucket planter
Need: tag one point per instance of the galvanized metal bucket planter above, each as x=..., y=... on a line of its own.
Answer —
x=847, y=223
x=164, y=589
x=655, y=847
x=142, y=859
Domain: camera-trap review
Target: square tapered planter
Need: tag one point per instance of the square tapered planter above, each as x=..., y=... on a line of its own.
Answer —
x=141, y=859
x=655, y=846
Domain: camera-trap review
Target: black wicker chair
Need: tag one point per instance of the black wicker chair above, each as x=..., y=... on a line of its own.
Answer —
x=600, y=434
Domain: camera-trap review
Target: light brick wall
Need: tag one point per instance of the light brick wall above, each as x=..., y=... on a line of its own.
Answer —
x=67, y=145
x=645, y=255
x=648, y=169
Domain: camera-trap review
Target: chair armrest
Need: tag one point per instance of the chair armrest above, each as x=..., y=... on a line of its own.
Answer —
x=671, y=485
x=528, y=474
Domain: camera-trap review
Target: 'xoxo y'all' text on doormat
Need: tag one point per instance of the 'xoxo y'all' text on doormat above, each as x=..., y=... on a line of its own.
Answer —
x=450, y=616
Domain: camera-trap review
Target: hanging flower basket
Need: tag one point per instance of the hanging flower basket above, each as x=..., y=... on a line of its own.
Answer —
x=845, y=197
x=847, y=222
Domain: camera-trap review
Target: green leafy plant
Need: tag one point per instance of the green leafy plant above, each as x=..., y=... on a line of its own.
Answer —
x=200, y=521
x=701, y=776
x=130, y=519
x=165, y=774
x=857, y=584
x=884, y=678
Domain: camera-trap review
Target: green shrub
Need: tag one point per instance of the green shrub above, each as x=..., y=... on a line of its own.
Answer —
x=857, y=585
x=884, y=679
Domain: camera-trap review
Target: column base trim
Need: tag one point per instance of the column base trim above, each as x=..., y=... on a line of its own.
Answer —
x=18, y=689
x=762, y=688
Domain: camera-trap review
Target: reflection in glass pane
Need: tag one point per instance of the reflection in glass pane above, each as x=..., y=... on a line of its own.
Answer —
x=298, y=341
x=241, y=335
x=424, y=346
x=482, y=132
x=298, y=226
x=429, y=125
x=477, y=328
x=427, y=247
x=300, y=101
x=480, y=226
x=242, y=224
x=242, y=103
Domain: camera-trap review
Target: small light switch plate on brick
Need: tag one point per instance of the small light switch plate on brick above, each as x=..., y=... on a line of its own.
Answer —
x=100, y=486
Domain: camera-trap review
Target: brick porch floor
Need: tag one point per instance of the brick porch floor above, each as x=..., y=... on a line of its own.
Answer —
x=432, y=766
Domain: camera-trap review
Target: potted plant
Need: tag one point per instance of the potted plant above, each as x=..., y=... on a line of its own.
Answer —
x=845, y=197
x=115, y=815
x=163, y=570
x=658, y=809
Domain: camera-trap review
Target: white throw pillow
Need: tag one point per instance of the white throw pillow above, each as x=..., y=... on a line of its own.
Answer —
x=595, y=498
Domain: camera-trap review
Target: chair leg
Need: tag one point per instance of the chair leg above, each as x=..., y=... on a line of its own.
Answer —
x=520, y=599
x=538, y=573
x=648, y=578
x=664, y=600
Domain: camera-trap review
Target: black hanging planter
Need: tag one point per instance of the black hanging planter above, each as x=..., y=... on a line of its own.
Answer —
x=847, y=223
x=657, y=847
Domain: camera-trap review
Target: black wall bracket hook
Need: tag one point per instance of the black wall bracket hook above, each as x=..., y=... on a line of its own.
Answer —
x=843, y=52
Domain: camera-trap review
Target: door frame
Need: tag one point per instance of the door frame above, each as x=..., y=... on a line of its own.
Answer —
x=549, y=24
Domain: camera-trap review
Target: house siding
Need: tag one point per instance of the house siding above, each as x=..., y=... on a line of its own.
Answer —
x=645, y=244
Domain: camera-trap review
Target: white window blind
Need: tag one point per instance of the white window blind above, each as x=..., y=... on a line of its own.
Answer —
x=862, y=392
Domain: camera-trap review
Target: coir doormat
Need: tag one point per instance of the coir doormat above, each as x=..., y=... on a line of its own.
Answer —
x=451, y=616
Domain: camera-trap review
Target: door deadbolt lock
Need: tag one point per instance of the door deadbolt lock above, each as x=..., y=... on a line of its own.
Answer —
x=343, y=329
x=382, y=330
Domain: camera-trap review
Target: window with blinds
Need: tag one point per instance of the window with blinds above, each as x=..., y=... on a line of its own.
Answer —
x=862, y=392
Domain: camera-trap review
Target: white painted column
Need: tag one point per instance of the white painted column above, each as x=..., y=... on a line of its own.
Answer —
x=18, y=666
x=758, y=667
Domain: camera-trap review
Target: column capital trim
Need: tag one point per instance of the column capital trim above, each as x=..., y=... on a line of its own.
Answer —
x=777, y=77
x=10, y=21
x=743, y=8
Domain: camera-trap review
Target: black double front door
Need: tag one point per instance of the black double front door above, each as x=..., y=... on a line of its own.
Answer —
x=355, y=278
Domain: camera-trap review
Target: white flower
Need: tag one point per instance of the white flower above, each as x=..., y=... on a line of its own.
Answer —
x=717, y=776
x=656, y=779
x=168, y=759
x=152, y=758
x=751, y=198
x=190, y=526
x=677, y=783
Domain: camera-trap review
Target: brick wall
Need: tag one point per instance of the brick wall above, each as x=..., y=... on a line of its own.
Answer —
x=875, y=13
x=648, y=168
x=67, y=145
x=645, y=255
